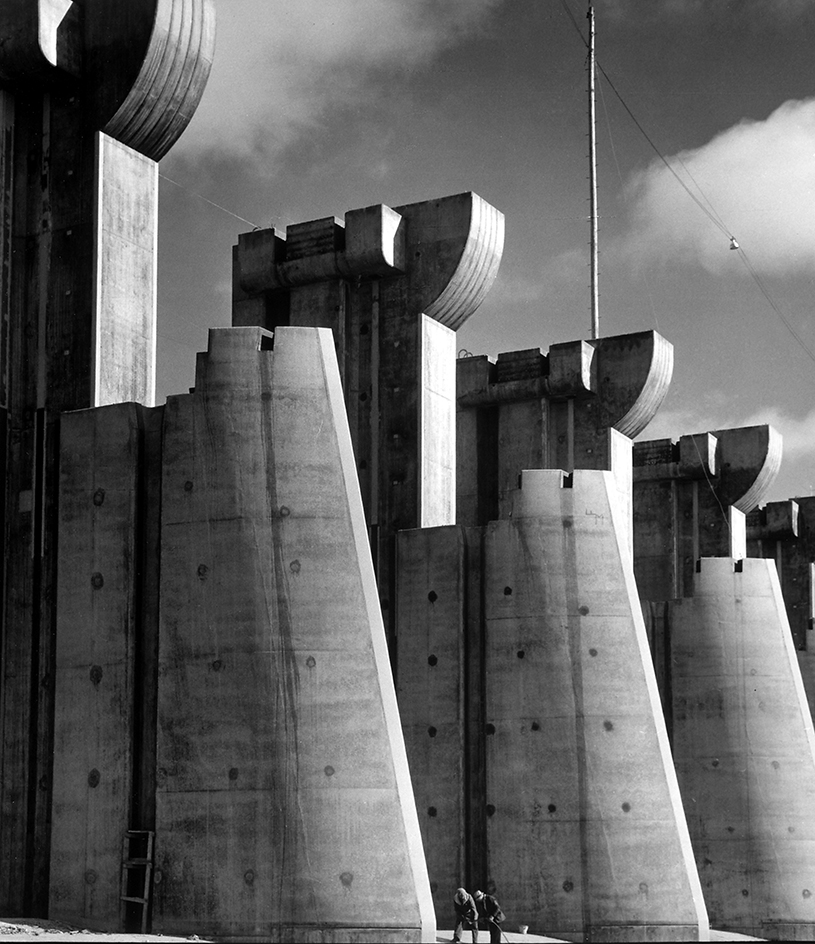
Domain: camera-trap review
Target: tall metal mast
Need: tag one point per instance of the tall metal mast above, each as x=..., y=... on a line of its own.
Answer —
x=595, y=294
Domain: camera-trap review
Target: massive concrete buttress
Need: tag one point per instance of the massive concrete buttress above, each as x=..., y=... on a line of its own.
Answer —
x=394, y=285
x=744, y=748
x=741, y=728
x=92, y=94
x=522, y=651
x=502, y=727
x=283, y=804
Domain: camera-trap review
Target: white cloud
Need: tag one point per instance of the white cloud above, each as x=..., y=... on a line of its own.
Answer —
x=759, y=176
x=280, y=65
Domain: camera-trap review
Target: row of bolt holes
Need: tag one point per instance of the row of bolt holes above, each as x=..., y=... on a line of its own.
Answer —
x=491, y=810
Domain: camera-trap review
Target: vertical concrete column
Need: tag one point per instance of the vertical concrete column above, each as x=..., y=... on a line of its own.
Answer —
x=744, y=749
x=93, y=95
x=284, y=805
x=586, y=834
x=100, y=637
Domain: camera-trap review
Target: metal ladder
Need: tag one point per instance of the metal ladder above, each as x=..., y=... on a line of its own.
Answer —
x=137, y=857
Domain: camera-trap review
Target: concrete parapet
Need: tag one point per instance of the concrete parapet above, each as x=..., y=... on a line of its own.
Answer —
x=744, y=749
x=690, y=499
x=284, y=808
x=554, y=411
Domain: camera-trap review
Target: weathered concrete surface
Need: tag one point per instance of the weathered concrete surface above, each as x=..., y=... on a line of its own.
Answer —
x=585, y=826
x=124, y=303
x=441, y=699
x=284, y=807
x=744, y=749
x=432, y=690
x=99, y=658
x=77, y=315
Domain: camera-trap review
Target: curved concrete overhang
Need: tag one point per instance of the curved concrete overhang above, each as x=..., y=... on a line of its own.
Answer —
x=148, y=62
x=142, y=65
x=40, y=40
x=466, y=235
x=634, y=374
x=748, y=460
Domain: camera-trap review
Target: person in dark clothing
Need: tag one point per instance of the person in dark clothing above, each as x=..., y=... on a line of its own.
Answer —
x=466, y=915
x=490, y=912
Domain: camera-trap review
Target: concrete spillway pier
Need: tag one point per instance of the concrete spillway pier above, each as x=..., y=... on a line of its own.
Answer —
x=744, y=748
x=283, y=806
x=578, y=810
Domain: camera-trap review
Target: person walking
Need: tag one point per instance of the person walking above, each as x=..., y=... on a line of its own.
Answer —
x=466, y=915
x=490, y=911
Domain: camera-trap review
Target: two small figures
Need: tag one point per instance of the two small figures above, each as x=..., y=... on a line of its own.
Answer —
x=472, y=908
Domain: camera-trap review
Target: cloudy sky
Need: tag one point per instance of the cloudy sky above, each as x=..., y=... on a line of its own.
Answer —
x=316, y=107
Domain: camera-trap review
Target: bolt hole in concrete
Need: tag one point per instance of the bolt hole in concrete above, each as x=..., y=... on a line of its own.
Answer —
x=608, y=725
x=93, y=778
x=432, y=731
x=490, y=810
x=536, y=726
x=311, y=662
x=592, y=652
x=99, y=497
x=97, y=581
x=432, y=596
x=568, y=886
x=347, y=879
x=432, y=811
x=490, y=729
x=432, y=660
x=507, y=591
x=552, y=808
x=520, y=653
x=583, y=611
x=203, y=570
x=295, y=567
x=96, y=674
x=626, y=807
x=806, y=893
x=329, y=771
x=249, y=877
x=233, y=773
